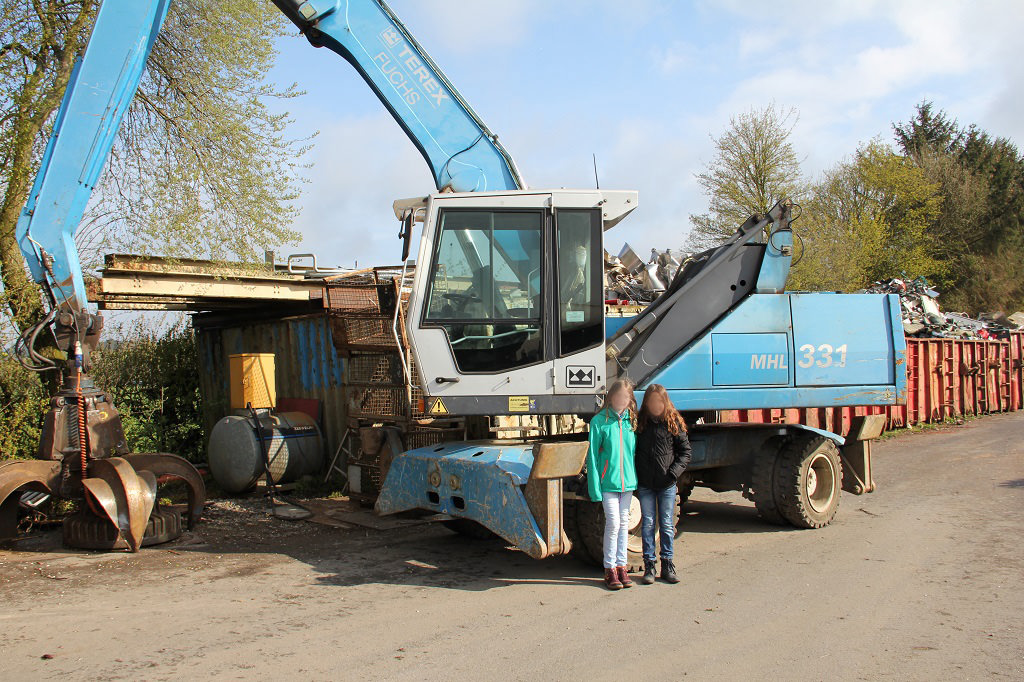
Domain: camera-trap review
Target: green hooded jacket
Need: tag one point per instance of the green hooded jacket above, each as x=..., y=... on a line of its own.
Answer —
x=610, y=459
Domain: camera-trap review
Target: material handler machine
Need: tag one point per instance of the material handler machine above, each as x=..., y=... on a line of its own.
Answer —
x=505, y=316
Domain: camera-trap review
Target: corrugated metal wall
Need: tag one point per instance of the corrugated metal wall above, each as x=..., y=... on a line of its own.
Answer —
x=946, y=379
x=307, y=366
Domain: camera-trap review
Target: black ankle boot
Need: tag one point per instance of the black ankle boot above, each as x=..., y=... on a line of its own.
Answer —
x=668, y=572
x=649, y=573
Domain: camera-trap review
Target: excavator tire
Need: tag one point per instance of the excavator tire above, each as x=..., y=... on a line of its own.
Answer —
x=808, y=482
x=583, y=547
x=88, y=531
x=685, y=490
x=763, y=486
x=590, y=526
x=579, y=549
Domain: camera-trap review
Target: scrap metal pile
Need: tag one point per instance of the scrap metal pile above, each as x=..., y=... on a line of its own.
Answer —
x=627, y=278
x=923, y=318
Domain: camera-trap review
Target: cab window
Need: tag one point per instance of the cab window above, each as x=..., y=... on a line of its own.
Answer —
x=580, y=280
x=485, y=289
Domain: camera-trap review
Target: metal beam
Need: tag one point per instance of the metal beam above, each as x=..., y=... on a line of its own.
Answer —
x=150, y=283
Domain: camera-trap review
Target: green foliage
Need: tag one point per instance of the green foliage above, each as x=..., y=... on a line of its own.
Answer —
x=947, y=204
x=152, y=377
x=868, y=219
x=980, y=232
x=928, y=131
x=202, y=165
x=754, y=167
x=39, y=42
x=23, y=401
x=154, y=381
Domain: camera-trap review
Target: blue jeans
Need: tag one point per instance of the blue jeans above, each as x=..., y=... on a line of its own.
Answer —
x=616, y=527
x=660, y=505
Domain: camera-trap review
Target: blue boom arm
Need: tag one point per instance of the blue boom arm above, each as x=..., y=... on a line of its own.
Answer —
x=101, y=87
x=463, y=154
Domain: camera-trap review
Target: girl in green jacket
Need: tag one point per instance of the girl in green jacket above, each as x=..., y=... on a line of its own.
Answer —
x=611, y=475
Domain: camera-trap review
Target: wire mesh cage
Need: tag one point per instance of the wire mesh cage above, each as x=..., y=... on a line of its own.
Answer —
x=378, y=402
x=420, y=437
x=363, y=333
x=360, y=299
x=374, y=368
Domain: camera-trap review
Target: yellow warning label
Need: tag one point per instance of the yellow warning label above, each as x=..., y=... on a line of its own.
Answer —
x=438, y=407
x=519, y=403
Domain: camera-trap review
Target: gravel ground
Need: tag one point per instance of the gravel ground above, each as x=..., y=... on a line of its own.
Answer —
x=922, y=580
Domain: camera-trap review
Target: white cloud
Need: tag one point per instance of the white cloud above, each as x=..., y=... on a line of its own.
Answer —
x=845, y=66
x=360, y=165
x=850, y=68
x=465, y=27
x=676, y=57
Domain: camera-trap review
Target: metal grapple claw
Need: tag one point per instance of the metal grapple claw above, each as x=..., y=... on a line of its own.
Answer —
x=125, y=497
x=22, y=476
x=120, y=510
x=163, y=464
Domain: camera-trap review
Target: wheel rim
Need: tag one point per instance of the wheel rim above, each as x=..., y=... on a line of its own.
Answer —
x=820, y=483
x=636, y=543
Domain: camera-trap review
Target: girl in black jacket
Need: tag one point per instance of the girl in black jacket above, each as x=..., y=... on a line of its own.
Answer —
x=662, y=455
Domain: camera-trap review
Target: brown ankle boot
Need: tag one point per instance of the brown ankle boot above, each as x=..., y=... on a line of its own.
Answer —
x=611, y=579
x=624, y=577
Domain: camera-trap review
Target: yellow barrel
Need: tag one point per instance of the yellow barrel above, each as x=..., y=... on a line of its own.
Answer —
x=252, y=380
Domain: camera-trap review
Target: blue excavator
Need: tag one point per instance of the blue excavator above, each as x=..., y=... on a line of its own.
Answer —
x=505, y=316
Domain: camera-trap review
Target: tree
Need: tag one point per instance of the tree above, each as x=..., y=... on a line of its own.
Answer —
x=980, y=232
x=754, y=167
x=868, y=219
x=38, y=46
x=927, y=131
x=202, y=165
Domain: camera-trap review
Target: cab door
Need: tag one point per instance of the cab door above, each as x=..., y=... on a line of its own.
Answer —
x=478, y=313
x=578, y=300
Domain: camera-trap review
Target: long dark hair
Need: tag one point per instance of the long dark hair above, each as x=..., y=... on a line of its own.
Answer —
x=673, y=420
x=622, y=385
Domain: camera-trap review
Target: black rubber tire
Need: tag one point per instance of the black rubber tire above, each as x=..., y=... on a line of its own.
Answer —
x=579, y=548
x=763, y=486
x=85, y=530
x=469, y=529
x=590, y=527
x=685, y=490
x=795, y=461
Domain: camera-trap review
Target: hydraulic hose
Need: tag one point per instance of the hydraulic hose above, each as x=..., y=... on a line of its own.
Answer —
x=83, y=450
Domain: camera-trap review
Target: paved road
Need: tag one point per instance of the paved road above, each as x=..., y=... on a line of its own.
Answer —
x=922, y=580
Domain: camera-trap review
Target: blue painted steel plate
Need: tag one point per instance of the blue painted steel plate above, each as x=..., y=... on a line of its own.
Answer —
x=750, y=359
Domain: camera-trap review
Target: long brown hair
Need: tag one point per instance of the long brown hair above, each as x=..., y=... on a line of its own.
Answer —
x=622, y=385
x=673, y=420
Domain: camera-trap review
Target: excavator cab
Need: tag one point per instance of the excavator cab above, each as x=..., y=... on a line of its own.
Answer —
x=506, y=313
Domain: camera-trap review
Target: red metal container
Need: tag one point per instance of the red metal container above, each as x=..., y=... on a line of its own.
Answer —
x=1017, y=371
x=946, y=379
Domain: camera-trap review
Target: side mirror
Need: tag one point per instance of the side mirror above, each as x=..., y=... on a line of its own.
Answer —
x=405, y=233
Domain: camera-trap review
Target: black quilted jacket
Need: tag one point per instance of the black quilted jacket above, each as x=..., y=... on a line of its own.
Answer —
x=660, y=457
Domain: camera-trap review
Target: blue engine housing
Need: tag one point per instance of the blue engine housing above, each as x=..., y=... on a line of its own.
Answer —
x=794, y=350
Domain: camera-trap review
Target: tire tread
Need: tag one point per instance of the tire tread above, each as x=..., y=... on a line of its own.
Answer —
x=764, y=484
x=789, y=482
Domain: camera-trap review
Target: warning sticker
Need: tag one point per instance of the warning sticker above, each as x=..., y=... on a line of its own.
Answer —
x=519, y=403
x=438, y=407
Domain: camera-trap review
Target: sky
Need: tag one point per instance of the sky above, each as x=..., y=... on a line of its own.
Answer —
x=643, y=85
